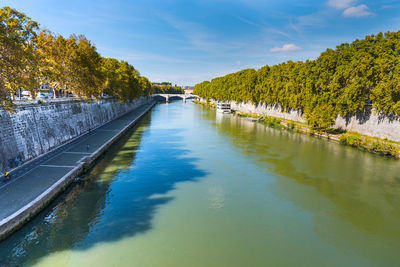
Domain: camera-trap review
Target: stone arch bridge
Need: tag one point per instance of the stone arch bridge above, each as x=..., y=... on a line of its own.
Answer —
x=168, y=97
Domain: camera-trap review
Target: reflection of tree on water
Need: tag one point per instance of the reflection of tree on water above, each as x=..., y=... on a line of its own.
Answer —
x=356, y=187
x=76, y=211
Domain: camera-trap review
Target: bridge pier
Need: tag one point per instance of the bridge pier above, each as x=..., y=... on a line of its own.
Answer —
x=182, y=96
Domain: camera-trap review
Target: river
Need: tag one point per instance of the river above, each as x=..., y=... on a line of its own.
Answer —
x=189, y=187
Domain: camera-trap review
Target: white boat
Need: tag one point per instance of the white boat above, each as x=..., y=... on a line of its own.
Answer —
x=224, y=108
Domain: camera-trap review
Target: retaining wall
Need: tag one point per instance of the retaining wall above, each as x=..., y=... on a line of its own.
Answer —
x=368, y=122
x=20, y=217
x=35, y=128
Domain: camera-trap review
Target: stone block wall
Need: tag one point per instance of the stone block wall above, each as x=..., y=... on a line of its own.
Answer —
x=368, y=122
x=34, y=129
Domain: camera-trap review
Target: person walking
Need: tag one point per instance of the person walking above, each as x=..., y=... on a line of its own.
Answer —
x=87, y=147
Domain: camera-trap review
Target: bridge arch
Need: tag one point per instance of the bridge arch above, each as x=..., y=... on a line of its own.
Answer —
x=168, y=97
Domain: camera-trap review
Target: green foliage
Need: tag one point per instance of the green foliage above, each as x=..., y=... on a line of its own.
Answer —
x=385, y=148
x=321, y=117
x=166, y=88
x=272, y=121
x=69, y=65
x=339, y=81
x=248, y=115
x=371, y=144
x=351, y=140
x=17, y=58
x=123, y=81
x=237, y=86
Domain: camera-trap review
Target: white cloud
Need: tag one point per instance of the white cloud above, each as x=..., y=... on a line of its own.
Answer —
x=341, y=4
x=285, y=48
x=350, y=10
x=357, y=11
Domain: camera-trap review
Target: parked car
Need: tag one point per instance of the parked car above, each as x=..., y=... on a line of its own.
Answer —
x=26, y=95
x=41, y=95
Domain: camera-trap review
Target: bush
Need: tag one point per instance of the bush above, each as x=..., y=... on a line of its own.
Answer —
x=321, y=117
x=351, y=140
x=385, y=148
x=374, y=145
x=272, y=121
x=354, y=140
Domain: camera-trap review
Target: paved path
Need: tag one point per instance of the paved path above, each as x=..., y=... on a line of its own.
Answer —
x=32, y=179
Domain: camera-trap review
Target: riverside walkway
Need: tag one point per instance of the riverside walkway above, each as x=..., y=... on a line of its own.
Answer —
x=34, y=178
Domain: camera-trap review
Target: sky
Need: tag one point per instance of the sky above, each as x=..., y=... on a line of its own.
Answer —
x=186, y=42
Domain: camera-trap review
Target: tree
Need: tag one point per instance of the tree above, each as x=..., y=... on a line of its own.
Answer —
x=86, y=78
x=340, y=81
x=73, y=65
x=123, y=81
x=17, y=58
x=166, y=88
x=145, y=85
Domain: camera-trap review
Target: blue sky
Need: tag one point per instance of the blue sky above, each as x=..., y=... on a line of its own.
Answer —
x=186, y=41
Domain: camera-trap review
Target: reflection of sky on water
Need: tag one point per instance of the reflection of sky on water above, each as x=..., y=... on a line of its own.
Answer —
x=259, y=195
x=116, y=200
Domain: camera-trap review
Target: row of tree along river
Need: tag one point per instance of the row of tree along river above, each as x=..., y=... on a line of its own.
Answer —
x=192, y=187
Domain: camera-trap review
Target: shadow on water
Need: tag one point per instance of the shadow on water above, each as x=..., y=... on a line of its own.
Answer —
x=117, y=198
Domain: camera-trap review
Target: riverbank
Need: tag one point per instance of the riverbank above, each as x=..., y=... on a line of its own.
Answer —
x=35, y=129
x=376, y=145
x=48, y=176
x=257, y=194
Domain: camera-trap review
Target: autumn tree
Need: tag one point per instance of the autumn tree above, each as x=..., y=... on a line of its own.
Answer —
x=85, y=76
x=71, y=64
x=17, y=57
x=123, y=81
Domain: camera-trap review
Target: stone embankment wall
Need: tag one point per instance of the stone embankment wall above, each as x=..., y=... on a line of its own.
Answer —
x=368, y=122
x=34, y=129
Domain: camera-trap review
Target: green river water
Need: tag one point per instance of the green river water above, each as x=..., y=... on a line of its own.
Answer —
x=189, y=187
